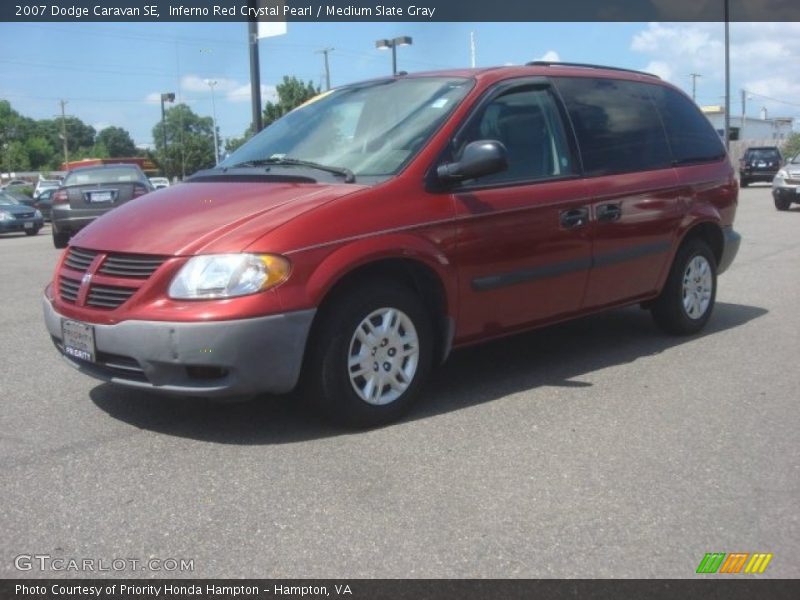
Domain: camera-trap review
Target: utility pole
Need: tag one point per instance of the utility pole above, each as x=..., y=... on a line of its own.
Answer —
x=694, y=77
x=325, y=52
x=255, y=75
x=63, y=103
x=727, y=77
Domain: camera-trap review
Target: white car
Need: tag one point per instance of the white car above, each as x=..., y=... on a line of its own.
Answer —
x=159, y=182
x=45, y=184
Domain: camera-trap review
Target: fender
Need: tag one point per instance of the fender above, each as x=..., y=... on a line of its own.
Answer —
x=363, y=251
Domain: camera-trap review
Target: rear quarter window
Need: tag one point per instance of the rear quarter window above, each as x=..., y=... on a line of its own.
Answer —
x=617, y=125
x=691, y=136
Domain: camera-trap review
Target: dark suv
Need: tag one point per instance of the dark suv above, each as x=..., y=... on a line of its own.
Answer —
x=759, y=164
x=89, y=192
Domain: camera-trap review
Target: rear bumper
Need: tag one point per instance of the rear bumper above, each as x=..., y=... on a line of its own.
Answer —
x=208, y=359
x=68, y=220
x=732, y=241
x=767, y=176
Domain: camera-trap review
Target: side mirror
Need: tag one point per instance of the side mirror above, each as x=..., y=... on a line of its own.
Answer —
x=482, y=157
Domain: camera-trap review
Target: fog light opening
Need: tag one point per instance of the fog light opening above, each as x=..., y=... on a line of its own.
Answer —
x=205, y=372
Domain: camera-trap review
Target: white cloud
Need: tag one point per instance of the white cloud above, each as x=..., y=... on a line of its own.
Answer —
x=762, y=56
x=153, y=98
x=100, y=125
x=242, y=93
x=660, y=68
x=550, y=56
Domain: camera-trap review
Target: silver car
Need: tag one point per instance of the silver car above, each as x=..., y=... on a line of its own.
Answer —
x=786, y=185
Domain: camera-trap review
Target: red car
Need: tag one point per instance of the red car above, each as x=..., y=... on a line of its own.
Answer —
x=351, y=245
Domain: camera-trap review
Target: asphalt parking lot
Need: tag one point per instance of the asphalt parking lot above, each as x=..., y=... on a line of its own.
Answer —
x=599, y=448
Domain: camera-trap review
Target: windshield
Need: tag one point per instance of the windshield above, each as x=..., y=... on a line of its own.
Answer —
x=795, y=160
x=7, y=199
x=118, y=175
x=371, y=129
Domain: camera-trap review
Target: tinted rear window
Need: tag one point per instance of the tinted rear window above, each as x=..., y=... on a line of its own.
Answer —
x=691, y=136
x=763, y=154
x=114, y=175
x=618, y=127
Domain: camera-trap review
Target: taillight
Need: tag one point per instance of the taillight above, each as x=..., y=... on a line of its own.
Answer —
x=61, y=197
x=139, y=190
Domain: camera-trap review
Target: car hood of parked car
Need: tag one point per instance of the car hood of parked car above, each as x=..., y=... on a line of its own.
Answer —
x=204, y=217
x=16, y=209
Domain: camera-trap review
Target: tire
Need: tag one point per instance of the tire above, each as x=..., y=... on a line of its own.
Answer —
x=684, y=306
x=32, y=231
x=60, y=239
x=744, y=182
x=782, y=203
x=338, y=384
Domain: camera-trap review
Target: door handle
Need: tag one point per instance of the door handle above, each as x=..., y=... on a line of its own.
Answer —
x=608, y=212
x=574, y=217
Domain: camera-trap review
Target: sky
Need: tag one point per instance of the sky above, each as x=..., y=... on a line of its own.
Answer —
x=114, y=73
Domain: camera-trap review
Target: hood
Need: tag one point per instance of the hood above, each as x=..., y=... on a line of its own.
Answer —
x=204, y=217
x=17, y=209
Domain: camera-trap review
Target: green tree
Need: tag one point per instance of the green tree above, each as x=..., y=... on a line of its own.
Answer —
x=291, y=93
x=116, y=141
x=232, y=144
x=190, y=142
x=15, y=157
x=40, y=152
x=792, y=145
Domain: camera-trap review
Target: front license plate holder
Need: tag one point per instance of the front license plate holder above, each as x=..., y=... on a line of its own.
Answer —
x=78, y=340
x=28, y=225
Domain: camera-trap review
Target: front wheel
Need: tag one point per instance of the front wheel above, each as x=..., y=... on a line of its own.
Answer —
x=782, y=203
x=687, y=300
x=33, y=231
x=744, y=182
x=369, y=355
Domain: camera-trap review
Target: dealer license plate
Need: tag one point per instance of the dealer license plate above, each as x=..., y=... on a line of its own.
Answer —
x=100, y=197
x=78, y=339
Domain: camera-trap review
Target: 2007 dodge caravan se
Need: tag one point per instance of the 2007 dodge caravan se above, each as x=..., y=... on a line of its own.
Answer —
x=353, y=243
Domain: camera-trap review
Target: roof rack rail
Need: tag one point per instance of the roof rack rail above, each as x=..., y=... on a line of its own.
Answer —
x=547, y=63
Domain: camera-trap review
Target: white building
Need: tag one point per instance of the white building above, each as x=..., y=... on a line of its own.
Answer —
x=760, y=129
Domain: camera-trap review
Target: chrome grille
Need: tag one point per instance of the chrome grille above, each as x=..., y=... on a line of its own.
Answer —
x=79, y=259
x=68, y=288
x=24, y=215
x=792, y=181
x=131, y=265
x=107, y=296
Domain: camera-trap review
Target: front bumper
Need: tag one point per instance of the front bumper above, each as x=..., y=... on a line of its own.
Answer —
x=210, y=359
x=732, y=241
x=786, y=192
x=21, y=224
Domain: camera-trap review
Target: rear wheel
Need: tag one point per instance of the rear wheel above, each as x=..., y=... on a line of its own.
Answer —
x=744, y=182
x=32, y=231
x=782, y=203
x=60, y=239
x=687, y=300
x=369, y=355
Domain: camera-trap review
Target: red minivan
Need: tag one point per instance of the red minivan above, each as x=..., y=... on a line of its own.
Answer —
x=352, y=244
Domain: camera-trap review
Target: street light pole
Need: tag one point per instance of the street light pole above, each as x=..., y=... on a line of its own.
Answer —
x=694, y=77
x=727, y=78
x=167, y=97
x=211, y=83
x=392, y=44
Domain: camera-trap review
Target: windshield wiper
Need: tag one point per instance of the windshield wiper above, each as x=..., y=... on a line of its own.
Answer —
x=349, y=176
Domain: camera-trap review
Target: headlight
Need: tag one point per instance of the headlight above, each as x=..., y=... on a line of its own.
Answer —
x=228, y=275
x=6, y=216
x=37, y=214
x=782, y=174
